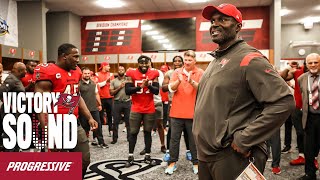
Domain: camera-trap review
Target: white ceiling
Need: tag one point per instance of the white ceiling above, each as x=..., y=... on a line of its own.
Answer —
x=300, y=8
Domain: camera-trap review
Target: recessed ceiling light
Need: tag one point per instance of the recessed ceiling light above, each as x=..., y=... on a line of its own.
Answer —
x=152, y=32
x=110, y=3
x=157, y=37
x=163, y=40
x=167, y=46
x=196, y=1
x=310, y=19
x=146, y=27
x=284, y=12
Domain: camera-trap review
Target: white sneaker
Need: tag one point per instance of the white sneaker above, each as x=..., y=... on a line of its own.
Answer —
x=171, y=168
x=195, y=169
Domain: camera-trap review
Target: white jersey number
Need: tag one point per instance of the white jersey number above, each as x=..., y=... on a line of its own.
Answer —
x=138, y=83
x=71, y=89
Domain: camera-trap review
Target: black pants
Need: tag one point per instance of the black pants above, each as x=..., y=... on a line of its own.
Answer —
x=135, y=120
x=312, y=143
x=165, y=114
x=230, y=165
x=177, y=127
x=85, y=125
x=107, y=107
x=288, y=132
x=297, y=123
x=275, y=143
x=185, y=134
x=118, y=108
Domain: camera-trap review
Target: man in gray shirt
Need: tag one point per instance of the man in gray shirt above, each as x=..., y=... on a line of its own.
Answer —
x=122, y=103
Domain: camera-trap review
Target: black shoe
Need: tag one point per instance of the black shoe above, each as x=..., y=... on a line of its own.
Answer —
x=94, y=142
x=129, y=162
x=307, y=177
x=286, y=150
x=104, y=146
x=143, y=152
x=114, y=141
x=148, y=160
x=163, y=149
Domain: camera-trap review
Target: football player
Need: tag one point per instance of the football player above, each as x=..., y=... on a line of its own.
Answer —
x=64, y=77
x=141, y=84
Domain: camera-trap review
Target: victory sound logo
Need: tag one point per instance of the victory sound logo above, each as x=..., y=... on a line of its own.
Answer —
x=21, y=129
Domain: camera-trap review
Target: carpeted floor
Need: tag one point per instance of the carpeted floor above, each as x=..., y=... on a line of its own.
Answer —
x=109, y=163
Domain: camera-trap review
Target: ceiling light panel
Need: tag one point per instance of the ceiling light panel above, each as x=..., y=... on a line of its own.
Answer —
x=110, y=3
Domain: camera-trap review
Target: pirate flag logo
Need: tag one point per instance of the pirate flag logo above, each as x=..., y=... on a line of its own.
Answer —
x=115, y=169
x=68, y=101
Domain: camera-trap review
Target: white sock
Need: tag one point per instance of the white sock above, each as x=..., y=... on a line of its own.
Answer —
x=301, y=154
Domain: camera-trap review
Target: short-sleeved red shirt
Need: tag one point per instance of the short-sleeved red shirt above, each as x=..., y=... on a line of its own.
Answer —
x=62, y=81
x=142, y=101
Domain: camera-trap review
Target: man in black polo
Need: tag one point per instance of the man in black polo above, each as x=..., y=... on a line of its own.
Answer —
x=88, y=89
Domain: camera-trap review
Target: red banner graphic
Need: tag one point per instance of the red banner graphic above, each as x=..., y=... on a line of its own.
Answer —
x=48, y=166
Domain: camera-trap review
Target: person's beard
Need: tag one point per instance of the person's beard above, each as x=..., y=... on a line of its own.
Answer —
x=86, y=78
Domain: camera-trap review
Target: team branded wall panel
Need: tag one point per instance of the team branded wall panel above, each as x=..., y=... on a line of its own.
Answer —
x=203, y=56
x=87, y=59
x=11, y=52
x=31, y=54
x=128, y=58
x=110, y=58
x=121, y=34
x=107, y=37
x=155, y=57
x=255, y=29
x=171, y=55
x=247, y=33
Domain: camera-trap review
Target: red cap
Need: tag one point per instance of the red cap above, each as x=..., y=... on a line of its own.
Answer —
x=226, y=9
x=103, y=64
x=164, y=68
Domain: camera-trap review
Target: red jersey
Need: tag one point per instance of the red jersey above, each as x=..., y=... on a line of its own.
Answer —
x=104, y=91
x=164, y=96
x=142, y=101
x=26, y=80
x=297, y=92
x=62, y=81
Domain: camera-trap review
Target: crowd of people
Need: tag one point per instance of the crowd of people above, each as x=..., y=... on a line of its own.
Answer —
x=230, y=114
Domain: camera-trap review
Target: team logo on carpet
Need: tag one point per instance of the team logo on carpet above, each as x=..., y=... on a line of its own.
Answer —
x=115, y=169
